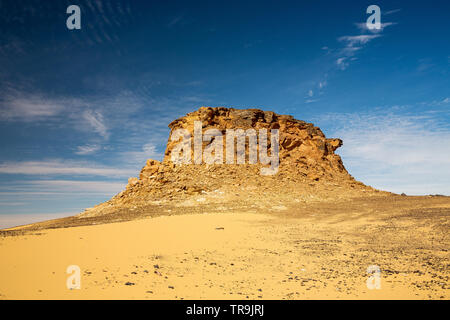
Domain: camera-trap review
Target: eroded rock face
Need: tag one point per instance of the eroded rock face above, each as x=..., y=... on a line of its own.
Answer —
x=302, y=145
x=149, y=170
x=308, y=167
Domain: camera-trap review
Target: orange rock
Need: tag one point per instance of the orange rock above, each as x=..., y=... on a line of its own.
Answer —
x=309, y=167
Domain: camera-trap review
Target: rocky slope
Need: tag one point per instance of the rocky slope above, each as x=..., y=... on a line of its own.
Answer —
x=309, y=169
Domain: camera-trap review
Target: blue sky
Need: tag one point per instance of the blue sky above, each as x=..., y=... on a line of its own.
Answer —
x=81, y=110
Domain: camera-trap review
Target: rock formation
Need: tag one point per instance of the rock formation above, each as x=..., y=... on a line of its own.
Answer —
x=309, y=169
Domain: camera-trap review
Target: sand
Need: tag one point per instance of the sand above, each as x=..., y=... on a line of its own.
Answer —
x=319, y=252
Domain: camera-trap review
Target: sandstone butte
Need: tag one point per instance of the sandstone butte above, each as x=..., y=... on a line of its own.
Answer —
x=310, y=231
x=309, y=171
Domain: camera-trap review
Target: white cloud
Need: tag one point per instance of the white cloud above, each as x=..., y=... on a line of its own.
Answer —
x=14, y=220
x=349, y=51
x=96, y=121
x=29, y=108
x=86, y=114
x=396, y=152
x=139, y=158
x=69, y=188
x=341, y=63
x=352, y=45
x=87, y=149
x=386, y=13
x=318, y=86
x=363, y=26
x=77, y=186
x=360, y=39
x=6, y=203
x=61, y=167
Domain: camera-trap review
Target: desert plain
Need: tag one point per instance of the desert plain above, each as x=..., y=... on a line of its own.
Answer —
x=318, y=251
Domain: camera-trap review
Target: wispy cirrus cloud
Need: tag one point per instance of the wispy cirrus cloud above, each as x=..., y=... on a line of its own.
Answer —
x=346, y=53
x=395, y=150
x=352, y=44
x=445, y=101
x=87, y=149
x=389, y=12
x=134, y=138
x=96, y=121
x=59, y=187
x=138, y=158
x=94, y=114
x=108, y=19
x=363, y=26
x=29, y=108
x=342, y=63
x=62, y=167
x=351, y=41
x=322, y=84
x=77, y=186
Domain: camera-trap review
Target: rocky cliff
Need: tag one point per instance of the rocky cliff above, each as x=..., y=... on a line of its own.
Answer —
x=309, y=169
